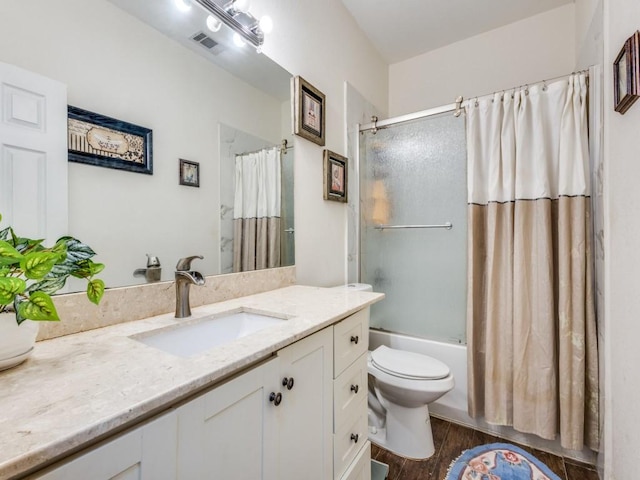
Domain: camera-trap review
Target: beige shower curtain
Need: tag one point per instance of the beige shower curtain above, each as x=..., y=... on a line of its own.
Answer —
x=532, y=359
x=256, y=211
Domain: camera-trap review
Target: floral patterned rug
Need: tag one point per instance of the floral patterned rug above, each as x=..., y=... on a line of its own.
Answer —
x=498, y=461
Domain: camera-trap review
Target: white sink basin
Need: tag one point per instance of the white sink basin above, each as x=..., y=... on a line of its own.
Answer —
x=199, y=335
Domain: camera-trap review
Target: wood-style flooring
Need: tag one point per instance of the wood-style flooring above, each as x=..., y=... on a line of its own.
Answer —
x=451, y=439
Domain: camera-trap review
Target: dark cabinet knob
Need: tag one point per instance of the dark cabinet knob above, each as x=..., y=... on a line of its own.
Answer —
x=354, y=437
x=276, y=398
x=355, y=339
x=287, y=382
x=354, y=388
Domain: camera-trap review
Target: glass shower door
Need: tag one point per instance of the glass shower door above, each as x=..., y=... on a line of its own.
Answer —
x=412, y=174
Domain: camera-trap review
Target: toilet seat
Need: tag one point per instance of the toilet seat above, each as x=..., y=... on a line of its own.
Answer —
x=409, y=365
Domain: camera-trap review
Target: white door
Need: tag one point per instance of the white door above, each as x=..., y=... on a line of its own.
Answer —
x=33, y=154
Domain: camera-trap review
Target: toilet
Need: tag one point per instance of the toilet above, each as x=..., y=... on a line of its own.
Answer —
x=401, y=386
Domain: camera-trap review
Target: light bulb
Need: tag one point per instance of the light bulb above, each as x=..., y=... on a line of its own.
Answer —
x=242, y=5
x=213, y=23
x=266, y=24
x=183, y=5
x=238, y=41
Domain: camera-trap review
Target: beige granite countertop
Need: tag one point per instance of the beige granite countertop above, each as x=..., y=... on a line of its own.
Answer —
x=77, y=388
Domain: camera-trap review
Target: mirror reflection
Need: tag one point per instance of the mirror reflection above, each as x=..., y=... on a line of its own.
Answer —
x=124, y=65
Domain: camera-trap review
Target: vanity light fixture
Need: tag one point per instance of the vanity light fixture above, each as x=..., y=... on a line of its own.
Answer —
x=213, y=23
x=238, y=41
x=183, y=5
x=236, y=16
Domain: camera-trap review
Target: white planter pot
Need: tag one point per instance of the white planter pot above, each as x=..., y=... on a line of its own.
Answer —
x=16, y=341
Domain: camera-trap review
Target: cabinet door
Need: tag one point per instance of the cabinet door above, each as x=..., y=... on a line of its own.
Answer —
x=230, y=432
x=145, y=453
x=305, y=416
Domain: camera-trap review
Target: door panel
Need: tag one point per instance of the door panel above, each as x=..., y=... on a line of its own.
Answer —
x=33, y=154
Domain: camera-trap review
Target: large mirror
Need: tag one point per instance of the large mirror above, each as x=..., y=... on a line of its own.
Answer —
x=207, y=101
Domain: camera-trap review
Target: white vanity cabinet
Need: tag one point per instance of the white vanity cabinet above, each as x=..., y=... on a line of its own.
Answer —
x=351, y=447
x=256, y=427
x=230, y=431
x=145, y=453
x=301, y=414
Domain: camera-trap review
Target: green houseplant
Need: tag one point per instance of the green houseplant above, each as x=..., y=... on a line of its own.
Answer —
x=29, y=274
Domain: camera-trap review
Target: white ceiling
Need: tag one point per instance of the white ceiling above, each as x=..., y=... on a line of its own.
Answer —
x=402, y=29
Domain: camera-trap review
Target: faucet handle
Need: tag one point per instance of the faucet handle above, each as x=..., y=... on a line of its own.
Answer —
x=184, y=264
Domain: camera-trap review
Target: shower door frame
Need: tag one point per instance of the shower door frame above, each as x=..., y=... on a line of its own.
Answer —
x=361, y=128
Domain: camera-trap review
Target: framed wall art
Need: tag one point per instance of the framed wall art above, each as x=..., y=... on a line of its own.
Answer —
x=103, y=141
x=189, y=173
x=335, y=177
x=626, y=75
x=309, y=111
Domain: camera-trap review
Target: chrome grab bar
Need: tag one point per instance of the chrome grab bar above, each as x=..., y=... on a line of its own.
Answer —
x=447, y=225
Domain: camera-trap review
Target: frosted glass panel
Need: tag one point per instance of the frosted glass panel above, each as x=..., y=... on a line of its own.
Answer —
x=415, y=174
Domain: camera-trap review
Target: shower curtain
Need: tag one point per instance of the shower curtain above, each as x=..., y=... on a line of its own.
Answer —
x=530, y=317
x=256, y=211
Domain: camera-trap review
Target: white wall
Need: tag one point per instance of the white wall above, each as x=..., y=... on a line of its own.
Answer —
x=117, y=66
x=622, y=231
x=589, y=34
x=320, y=41
x=523, y=52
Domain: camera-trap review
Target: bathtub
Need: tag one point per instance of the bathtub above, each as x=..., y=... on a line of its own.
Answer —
x=453, y=405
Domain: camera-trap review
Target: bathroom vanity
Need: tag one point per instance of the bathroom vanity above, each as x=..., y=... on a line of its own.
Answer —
x=288, y=401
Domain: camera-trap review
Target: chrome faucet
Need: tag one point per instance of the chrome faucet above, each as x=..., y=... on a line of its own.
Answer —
x=184, y=278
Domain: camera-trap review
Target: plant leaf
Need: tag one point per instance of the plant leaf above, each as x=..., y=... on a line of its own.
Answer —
x=36, y=265
x=48, y=285
x=16, y=308
x=95, y=290
x=63, y=270
x=8, y=254
x=4, y=233
x=9, y=288
x=76, y=250
x=39, y=306
x=87, y=269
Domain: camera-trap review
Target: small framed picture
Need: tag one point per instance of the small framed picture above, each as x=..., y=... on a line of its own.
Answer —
x=309, y=111
x=96, y=139
x=626, y=75
x=189, y=173
x=335, y=177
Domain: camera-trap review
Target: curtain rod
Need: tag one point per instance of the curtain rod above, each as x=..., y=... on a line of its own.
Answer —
x=452, y=107
x=527, y=85
x=283, y=147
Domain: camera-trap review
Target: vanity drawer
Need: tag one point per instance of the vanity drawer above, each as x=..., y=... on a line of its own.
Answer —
x=349, y=440
x=360, y=469
x=350, y=340
x=349, y=390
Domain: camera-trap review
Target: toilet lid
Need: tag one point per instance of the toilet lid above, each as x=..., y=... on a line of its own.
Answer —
x=408, y=364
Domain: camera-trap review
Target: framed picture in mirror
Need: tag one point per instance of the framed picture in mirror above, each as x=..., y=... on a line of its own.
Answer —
x=308, y=111
x=626, y=75
x=335, y=177
x=103, y=141
x=189, y=173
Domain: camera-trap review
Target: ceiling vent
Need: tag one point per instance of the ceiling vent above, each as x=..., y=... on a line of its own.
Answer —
x=207, y=42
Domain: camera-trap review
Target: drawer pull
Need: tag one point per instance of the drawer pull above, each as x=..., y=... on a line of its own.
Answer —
x=276, y=398
x=355, y=339
x=354, y=437
x=287, y=382
x=354, y=388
